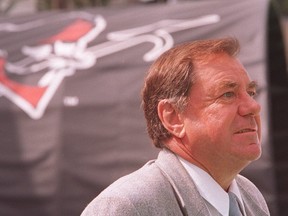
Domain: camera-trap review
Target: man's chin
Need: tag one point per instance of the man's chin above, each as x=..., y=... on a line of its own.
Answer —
x=253, y=152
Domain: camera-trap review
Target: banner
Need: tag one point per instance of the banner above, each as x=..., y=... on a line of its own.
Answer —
x=70, y=82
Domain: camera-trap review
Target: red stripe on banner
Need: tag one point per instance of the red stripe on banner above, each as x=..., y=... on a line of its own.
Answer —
x=29, y=93
x=72, y=33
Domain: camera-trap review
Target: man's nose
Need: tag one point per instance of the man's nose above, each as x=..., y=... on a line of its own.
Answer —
x=249, y=106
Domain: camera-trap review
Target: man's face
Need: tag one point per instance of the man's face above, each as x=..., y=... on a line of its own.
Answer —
x=222, y=119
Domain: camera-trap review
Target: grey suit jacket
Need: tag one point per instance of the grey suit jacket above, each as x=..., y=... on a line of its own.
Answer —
x=163, y=187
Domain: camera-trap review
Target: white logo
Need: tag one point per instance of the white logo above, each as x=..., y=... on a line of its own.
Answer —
x=64, y=53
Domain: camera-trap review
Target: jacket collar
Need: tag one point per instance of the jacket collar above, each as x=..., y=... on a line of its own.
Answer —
x=189, y=199
x=250, y=203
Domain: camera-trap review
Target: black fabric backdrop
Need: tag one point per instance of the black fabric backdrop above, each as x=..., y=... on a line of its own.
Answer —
x=71, y=121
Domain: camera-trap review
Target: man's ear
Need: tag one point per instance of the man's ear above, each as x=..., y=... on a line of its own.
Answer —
x=171, y=119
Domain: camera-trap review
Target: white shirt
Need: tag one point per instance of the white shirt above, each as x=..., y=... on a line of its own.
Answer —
x=210, y=190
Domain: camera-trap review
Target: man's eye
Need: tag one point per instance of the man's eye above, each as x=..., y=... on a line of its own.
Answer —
x=252, y=94
x=228, y=94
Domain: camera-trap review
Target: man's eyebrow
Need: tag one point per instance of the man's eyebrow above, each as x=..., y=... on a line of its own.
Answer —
x=231, y=84
x=253, y=84
x=227, y=84
x=223, y=85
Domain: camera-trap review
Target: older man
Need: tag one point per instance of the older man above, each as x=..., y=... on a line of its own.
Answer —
x=199, y=104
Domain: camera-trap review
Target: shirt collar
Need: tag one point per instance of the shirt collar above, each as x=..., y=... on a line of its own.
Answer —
x=210, y=190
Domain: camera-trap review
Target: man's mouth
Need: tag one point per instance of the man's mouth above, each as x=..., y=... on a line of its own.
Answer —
x=246, y=130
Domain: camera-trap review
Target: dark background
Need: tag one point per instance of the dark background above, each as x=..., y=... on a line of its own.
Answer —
x=55, y=165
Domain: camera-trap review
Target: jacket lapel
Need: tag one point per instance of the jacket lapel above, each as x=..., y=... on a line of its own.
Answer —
x=189, y=199
x=251, y=203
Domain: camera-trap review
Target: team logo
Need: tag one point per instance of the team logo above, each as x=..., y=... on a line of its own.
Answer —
x=63, y=54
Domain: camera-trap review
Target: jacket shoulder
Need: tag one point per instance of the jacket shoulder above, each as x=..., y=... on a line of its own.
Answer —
x=141, y=192
x=252, y=197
